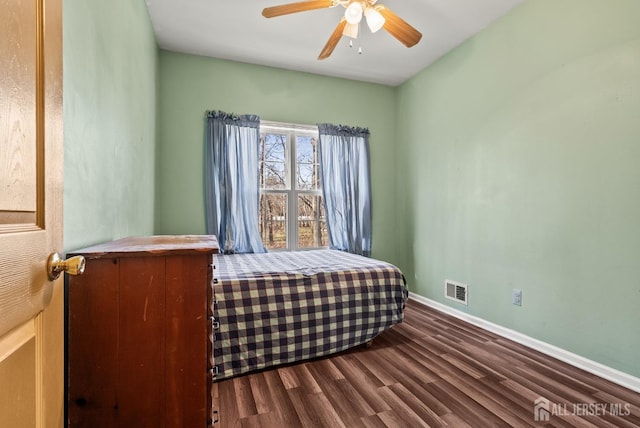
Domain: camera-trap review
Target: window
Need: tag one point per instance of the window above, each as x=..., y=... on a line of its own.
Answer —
x=291, y=207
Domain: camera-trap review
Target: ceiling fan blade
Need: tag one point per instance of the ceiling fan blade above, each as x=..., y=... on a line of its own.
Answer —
x=333, y=40
x=399, y=28
x=302, y=6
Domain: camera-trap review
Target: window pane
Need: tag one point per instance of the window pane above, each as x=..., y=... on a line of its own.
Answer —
x=273, y=147
x=307, y=177
x=273, y=158
x=312, y=224
x=273, y=220
x=273, y=175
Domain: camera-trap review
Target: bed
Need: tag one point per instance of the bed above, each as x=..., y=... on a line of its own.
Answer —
x=281, y=307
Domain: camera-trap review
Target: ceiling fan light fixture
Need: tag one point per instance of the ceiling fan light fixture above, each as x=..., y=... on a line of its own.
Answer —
x=377, y=16
x=351, y=30
x=375, y=20
x=353, y=14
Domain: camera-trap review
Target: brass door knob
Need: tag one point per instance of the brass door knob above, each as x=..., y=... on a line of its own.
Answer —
x=72, y=266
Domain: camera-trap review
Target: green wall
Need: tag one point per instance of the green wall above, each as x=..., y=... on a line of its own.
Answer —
x=519, y=169
x=110, y=69
x=190, y=85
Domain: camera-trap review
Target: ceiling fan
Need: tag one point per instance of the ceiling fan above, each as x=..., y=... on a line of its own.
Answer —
x=377, y=16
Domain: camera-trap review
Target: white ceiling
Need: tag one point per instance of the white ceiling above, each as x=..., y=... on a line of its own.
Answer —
x=236, y=30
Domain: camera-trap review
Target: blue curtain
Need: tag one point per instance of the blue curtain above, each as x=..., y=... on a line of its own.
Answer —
x=232, y=182
x=344, y=162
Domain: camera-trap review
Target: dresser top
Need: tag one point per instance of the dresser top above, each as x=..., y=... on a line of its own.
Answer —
x=159, y=245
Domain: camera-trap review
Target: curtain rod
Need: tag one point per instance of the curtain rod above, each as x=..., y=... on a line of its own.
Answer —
x=286, y=126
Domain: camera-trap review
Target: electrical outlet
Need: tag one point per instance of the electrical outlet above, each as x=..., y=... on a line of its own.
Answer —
x=516, y=297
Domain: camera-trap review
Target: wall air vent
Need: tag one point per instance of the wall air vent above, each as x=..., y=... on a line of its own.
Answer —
x=455, y=291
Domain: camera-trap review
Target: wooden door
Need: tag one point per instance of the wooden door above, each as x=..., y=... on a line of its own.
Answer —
x=31, y=306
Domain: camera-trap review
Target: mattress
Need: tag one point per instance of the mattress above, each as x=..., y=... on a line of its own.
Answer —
x=282, y=307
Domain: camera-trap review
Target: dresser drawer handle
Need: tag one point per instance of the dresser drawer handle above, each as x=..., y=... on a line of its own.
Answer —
x=214, y=324
x=215, y=418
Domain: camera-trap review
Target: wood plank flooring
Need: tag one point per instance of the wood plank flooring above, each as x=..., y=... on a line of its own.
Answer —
x=431, y=370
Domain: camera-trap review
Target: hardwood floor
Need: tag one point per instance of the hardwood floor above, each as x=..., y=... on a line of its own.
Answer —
x=431, y=370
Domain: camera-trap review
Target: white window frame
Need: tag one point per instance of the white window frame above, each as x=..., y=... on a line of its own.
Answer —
x=291, y=131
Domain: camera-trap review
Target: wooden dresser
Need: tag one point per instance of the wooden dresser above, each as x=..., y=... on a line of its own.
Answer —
x=139, y=334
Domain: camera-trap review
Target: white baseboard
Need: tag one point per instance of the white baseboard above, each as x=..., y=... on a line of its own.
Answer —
x=616, y=376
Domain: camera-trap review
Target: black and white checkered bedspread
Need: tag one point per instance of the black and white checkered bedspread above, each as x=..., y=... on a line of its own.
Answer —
x=281, y=307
